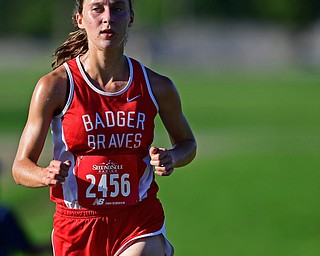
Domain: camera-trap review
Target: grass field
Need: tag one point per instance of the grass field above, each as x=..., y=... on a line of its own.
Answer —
x=253, y=189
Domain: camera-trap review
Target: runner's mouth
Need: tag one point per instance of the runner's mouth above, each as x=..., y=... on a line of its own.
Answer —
x=108, y=33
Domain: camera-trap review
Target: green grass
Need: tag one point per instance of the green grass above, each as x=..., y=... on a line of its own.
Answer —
x=16, y=90
x=253, y=189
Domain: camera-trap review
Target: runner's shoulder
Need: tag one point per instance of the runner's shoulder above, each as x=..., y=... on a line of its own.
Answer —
x=52, y=87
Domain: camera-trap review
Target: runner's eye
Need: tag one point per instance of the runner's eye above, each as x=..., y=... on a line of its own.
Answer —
x=97, y=9
x=117, y=9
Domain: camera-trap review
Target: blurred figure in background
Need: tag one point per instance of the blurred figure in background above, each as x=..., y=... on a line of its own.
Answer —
x=13, y=239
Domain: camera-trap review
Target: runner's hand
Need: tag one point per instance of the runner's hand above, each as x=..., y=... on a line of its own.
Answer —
x=162, y=161
x=56, y=172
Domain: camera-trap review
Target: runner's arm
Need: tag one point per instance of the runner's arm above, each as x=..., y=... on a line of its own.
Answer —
x=48, y=96
x=182, y=139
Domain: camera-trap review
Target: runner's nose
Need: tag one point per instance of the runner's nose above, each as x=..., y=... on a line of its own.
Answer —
x=108, y=15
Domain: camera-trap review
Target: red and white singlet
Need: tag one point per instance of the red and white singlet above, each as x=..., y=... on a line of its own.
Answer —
x=106, y=136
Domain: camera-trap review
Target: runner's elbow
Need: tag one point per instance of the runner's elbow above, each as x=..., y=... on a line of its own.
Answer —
x=14, y=172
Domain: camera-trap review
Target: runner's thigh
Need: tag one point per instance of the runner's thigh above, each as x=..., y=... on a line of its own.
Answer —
x=149, y=246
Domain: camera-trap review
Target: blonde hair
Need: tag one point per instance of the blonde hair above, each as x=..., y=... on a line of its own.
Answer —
x=77, y=43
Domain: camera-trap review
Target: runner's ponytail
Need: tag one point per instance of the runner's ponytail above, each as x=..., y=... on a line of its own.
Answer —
x=76, y=44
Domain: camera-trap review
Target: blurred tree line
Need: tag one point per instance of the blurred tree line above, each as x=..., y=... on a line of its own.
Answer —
x=43, y=18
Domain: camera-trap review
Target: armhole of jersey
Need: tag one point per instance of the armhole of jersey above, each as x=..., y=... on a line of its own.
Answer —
x=149, y=86
x=70, y=90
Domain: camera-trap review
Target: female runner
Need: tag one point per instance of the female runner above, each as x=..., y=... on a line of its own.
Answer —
x=101, y=107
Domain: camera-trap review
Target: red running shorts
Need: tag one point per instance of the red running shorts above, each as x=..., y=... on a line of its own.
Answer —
x=106, y=232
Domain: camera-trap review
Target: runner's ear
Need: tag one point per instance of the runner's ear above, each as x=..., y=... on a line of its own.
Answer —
x=131, y=20
x=79, y=20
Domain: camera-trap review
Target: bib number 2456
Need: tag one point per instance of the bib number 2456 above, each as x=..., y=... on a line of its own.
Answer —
x=114, y=186
x=107, y=180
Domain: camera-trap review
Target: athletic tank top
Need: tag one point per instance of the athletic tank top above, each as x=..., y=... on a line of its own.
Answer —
x=106, y=136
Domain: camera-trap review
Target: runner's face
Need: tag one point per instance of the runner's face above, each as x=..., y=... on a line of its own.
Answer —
x=106, y=22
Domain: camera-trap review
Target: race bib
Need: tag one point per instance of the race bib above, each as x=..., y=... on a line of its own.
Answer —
x=106, y=181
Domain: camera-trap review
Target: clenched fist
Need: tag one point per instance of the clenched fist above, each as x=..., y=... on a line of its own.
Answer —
x=56, y=172
x=162, y=161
